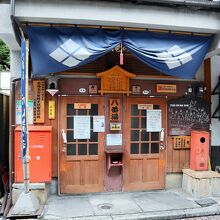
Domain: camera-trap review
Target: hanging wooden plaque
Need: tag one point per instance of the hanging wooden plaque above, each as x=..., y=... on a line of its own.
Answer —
x=39, y=101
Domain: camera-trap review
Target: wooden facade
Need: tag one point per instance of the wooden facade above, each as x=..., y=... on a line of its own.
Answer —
x=69, y=84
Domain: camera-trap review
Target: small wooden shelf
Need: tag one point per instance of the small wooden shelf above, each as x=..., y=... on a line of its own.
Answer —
x=116, y=165
x=114, y=159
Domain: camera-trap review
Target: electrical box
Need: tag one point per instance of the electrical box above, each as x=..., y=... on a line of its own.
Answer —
x=199, y=152
x=40, y=142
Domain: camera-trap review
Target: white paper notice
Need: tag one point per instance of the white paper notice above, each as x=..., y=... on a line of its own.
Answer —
x=81, y=127
x=154, y=120
x=98, y=123
x=29, y=112
x=114, y=139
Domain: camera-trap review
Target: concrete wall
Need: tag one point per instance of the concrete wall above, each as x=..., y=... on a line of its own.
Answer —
x=119, y=14
x=215, y=71
x=6, y=30
x=15, y=64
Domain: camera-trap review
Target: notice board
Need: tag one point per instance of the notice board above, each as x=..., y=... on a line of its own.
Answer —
x=39, y=101
x=186, y=114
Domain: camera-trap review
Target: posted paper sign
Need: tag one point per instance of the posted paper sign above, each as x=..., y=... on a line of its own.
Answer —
x=114, y=139
x=154, y=120
x=81, y=127
x=98, y=123
x=29, y=112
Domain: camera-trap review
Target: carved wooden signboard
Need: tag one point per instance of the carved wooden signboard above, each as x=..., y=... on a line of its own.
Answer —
x=114, y=109
x=115, y=80
x=187, y=113
x=39, y=100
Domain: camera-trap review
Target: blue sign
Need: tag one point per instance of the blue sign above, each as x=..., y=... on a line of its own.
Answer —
x=23, y=98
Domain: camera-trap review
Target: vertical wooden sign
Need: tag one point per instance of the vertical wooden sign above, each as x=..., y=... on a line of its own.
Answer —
x=39, y=101
x=114, y=109
x=51, y=109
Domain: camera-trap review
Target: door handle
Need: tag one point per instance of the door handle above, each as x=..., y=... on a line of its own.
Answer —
x=162, y=145
x=64, y=140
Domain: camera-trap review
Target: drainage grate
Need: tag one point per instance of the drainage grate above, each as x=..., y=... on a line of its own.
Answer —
x=105, y=206
x=205, y=202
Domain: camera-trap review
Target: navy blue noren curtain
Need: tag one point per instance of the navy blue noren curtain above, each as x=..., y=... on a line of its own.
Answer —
x=56, y=49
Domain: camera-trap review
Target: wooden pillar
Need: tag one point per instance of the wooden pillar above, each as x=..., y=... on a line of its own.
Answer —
x=207, y=79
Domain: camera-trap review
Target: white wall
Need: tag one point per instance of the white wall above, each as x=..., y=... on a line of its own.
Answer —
x=5, y=83
x=215, y=71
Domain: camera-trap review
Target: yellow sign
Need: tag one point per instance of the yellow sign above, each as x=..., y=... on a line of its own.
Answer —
x=115, y=126
x=51, y=109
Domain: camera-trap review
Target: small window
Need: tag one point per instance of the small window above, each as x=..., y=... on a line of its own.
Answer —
x=70, y=136
x=135, y=135
x=134, y=110
x=93, y=149
x=94, y=137
x=94, y=109
x=155, y=148
x=82, y=149
x=134, y=148
x=145, y=148
x=155, y=136
x=71, y=149
x=134, y=122
x=70, y=124
x=144, y=135
x=143, y=122
x=70, y=109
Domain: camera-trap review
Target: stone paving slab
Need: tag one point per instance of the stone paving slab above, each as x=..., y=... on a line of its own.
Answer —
x=68, y=207
x=162, y=201
x=120, y=204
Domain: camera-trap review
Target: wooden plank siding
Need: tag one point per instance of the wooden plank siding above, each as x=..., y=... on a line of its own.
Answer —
x=176, y=159
x=54, y=124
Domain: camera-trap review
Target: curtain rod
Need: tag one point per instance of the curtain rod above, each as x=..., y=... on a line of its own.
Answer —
x=116, y=28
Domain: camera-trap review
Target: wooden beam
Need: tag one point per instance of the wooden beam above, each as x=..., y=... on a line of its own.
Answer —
x=207, y=79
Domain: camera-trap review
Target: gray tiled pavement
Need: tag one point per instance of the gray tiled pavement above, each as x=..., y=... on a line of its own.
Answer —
x=163, y=204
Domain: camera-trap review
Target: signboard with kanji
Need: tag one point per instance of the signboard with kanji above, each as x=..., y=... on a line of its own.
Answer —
x=114, y=109
x=39, y=101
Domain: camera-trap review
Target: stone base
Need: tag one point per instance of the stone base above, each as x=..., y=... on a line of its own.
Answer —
x=26, y=204
x=40, y=190
x=173, y=180
x=201, y=183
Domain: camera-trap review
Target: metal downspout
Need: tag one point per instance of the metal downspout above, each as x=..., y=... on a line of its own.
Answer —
x=11, y=143
x=12, y=103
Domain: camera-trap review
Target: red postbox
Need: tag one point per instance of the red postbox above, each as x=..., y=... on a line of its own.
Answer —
x=199, y=152
x=40, y=154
